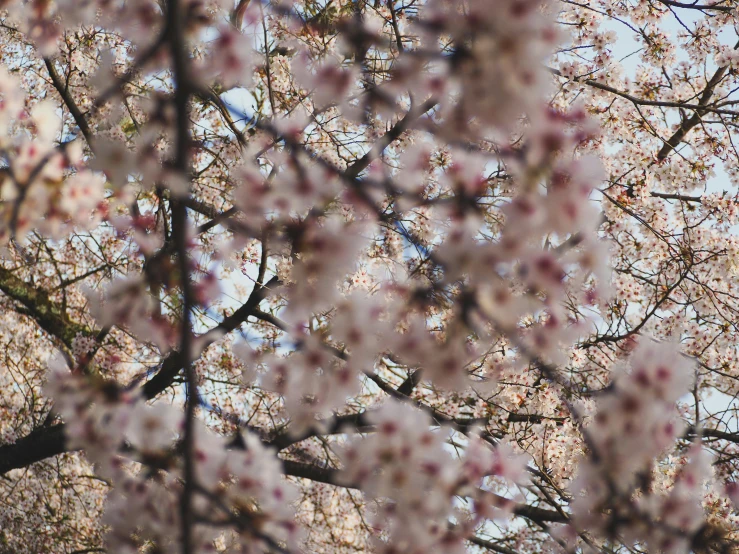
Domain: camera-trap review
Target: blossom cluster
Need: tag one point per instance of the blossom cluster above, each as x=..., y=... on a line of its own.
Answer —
x=408, y=468
x=38, y=188
x=134, y=445
x=634, y=423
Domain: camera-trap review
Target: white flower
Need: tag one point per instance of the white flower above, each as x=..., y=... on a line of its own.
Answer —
x=153, y=428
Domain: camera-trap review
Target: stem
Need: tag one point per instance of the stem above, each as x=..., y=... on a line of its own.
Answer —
x=175, y=23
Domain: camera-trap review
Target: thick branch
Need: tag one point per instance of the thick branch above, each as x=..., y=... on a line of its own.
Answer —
x=40, y=444
x=688, y=124
x=49, y=316
x=331, y=477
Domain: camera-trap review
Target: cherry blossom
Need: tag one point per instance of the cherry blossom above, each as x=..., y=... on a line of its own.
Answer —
x=437, y=276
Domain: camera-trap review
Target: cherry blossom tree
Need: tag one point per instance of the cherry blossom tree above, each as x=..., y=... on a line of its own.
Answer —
x=394, y=276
